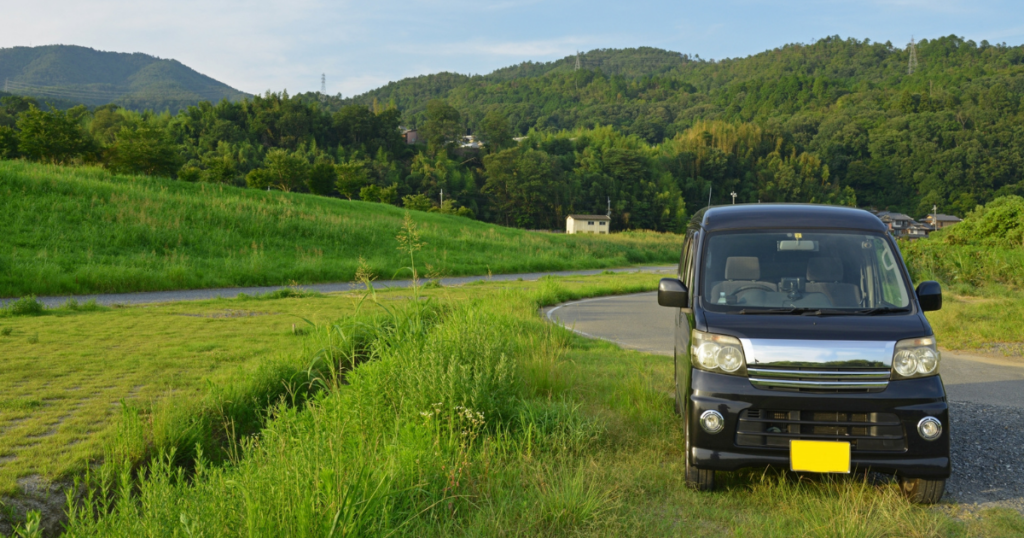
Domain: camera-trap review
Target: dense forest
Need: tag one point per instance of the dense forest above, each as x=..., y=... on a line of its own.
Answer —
x=66, y=75
x=654, y=132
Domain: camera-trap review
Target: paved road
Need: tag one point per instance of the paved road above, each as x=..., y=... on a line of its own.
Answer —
x=986, y=396
x=227, y=293
x=637, y=322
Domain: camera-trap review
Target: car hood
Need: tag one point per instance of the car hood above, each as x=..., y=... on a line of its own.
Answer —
x=882, y=328
x=817, y=341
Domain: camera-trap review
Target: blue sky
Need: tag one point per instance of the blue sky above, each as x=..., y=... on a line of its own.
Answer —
x=256, y=45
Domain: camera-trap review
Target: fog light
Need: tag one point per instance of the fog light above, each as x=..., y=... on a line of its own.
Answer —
x=930, y=428
x=712, y=421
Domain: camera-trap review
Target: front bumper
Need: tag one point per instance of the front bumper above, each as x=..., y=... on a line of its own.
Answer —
x=910, y=400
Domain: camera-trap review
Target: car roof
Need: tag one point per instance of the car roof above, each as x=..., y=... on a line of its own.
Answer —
x=806, y=216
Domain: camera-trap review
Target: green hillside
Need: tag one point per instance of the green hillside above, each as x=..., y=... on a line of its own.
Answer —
x=84, y=230
x=70, y=74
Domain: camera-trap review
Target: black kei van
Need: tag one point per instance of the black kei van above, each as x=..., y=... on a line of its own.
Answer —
x=800, y=345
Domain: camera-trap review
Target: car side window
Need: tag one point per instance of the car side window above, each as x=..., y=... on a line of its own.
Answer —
x=690, y=253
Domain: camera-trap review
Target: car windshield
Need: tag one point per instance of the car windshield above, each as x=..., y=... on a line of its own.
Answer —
x=797, y=272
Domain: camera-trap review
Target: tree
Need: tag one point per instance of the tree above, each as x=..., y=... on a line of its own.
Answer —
x=443, y=126
x=417, y=202
x=285, y=170
x=322, y=178
x=143, y=150
x=8, y=142
x=496, y=131
x=518, y=181
x=384, y=195
x=53, y=136
x=352, y=177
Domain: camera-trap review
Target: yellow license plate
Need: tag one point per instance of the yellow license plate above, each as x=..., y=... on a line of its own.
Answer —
x=819, y=456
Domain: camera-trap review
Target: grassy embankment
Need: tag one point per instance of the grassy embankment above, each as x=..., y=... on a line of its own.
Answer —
x=82, y=230
x=980, y=263
x=471, y=416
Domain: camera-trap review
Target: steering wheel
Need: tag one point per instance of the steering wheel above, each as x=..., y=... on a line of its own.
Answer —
x=742, y=289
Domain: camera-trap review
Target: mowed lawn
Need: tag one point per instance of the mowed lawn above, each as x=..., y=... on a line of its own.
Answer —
x=70, y=230
x=65, y=374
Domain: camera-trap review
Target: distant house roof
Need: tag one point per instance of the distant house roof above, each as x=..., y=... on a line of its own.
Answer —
x=893, y=216
x=944, y=218
x=589, y=217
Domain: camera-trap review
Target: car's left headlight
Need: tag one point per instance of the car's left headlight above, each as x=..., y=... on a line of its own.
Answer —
x=915, y=357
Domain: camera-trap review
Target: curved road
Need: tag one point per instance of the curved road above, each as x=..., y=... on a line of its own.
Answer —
x=986, y=395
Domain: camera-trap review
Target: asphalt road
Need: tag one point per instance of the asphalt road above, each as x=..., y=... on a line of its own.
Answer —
x=986, y=395
x=637, y=322
x=227, y=293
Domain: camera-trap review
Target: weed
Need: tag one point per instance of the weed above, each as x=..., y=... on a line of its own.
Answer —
x=26, y=306
x=33, y=339
x=6, y=331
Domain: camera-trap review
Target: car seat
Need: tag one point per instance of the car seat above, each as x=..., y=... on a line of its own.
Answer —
x=825, y=275
x=741, y=272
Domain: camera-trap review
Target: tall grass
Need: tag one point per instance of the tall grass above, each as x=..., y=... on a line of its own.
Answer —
x=83, y=230
x=476, y=418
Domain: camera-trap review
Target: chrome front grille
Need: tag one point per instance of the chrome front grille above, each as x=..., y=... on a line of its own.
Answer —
x=819, y=379
x=864, y=431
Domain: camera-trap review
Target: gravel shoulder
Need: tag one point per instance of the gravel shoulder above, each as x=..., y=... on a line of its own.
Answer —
x=987, y=446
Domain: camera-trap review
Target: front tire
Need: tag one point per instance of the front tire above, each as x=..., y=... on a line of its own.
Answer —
x=921, y=491
x=696, y=478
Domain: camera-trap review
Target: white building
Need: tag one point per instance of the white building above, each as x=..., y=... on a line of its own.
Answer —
x=587, y=224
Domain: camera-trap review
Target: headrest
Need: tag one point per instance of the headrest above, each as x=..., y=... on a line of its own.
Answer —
x=824, y=270
x=742, y=268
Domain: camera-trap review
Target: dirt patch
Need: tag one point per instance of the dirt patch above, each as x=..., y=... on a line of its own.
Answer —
x=37, y=493
x=230, y=314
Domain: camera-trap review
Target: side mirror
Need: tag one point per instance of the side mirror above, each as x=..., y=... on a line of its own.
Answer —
x=929, y=294
x=672, y=292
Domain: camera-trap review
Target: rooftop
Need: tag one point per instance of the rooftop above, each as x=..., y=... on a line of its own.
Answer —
x=807, y=216
x=590, y=217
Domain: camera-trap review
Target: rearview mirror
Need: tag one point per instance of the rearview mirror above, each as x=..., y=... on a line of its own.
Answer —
x=672, y=292
x=929, y=294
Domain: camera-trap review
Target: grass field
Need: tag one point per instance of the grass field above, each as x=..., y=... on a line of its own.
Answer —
x=467, y=416
x=82, y=230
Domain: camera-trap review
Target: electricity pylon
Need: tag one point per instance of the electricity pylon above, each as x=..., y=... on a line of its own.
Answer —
x=913, y=57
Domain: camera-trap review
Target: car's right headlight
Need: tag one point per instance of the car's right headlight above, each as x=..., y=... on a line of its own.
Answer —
x=717, y=353
x=915, y=357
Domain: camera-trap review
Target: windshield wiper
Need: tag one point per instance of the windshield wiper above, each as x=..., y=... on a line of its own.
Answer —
x=823, y=311
x=793, y=310
x=881, y=310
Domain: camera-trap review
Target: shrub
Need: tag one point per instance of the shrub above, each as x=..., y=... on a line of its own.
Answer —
x=26, y=306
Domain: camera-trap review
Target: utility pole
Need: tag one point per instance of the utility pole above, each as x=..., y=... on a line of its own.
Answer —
x=733, y=194
x=323, y=87
x=442, y=198
x=609, y=214
x=913, y=57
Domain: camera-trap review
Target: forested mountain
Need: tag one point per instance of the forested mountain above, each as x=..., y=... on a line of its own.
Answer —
x=948, y=134
x=65, y=74
x=656, y=132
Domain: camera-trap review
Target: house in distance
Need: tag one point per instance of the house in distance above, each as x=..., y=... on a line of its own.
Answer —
x=587, y=224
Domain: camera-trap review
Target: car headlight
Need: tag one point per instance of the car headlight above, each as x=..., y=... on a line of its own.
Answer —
x=717, y=353
x=915, y=357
